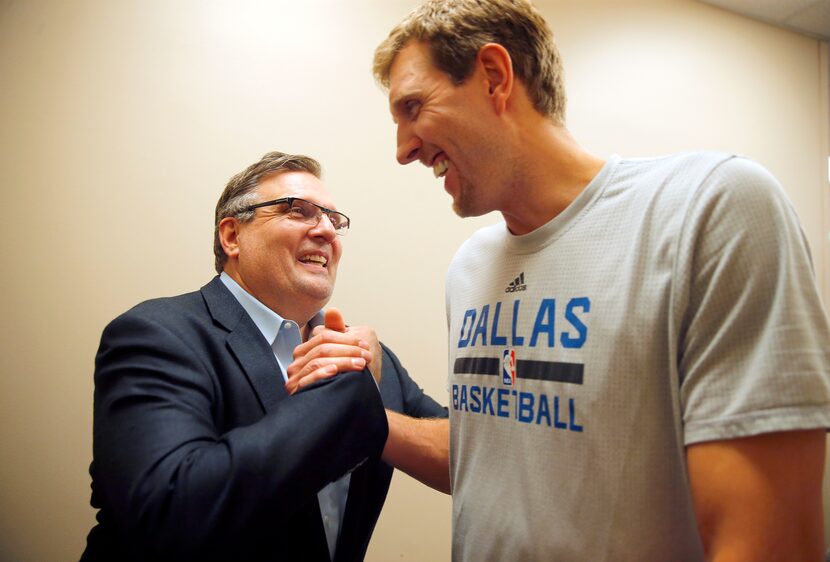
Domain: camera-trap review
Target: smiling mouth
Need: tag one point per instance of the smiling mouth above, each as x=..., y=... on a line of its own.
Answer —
x=315, y=259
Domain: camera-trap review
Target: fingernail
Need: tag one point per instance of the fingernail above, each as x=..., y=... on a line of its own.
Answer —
x=358, y=362
x=363, y=344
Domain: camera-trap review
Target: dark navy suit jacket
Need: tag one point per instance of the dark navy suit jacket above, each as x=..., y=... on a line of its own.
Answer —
x=199, y=454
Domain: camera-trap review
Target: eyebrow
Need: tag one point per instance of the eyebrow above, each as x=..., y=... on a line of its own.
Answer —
x=326, y=207
x=396, y=102
x=393, y=108
x=306, y=200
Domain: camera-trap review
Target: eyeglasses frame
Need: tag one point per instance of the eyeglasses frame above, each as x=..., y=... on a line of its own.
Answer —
x=290, y=200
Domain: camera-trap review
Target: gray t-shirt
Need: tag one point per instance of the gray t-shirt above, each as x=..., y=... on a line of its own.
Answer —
x=672, y=302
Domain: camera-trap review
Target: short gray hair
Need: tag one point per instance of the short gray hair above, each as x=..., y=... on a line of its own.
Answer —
x=240, y=191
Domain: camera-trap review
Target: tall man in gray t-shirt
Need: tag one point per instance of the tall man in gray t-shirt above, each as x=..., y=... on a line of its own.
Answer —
x=638, y=355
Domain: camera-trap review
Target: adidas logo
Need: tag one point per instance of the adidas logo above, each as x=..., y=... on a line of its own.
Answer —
x=518, y=284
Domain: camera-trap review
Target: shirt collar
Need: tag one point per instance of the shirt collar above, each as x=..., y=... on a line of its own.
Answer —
x=265, y=319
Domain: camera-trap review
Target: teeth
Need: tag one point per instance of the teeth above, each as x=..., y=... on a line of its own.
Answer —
x=440, y=168
x=314, y=259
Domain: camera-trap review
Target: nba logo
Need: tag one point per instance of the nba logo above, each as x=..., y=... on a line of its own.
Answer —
x=508, y=367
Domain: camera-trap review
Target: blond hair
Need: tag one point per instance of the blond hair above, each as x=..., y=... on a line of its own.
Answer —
x=455, y=30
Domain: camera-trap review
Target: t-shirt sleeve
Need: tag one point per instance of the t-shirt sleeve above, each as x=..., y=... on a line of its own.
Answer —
x=753, y=338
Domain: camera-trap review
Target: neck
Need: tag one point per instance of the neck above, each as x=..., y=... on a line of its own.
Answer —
x=549, y=176
x=299, y=312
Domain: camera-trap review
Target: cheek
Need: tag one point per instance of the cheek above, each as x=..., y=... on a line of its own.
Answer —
x=430, y=123
x=268, y=259
x=337, y=255
x=428, y=128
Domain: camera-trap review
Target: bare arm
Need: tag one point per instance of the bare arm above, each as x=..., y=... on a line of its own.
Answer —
x=420, y=447
x=759, y=498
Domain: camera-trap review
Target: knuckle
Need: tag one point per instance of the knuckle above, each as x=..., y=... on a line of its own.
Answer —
x=315, y=364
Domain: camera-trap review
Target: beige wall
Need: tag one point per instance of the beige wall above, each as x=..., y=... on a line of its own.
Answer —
x=120, y=123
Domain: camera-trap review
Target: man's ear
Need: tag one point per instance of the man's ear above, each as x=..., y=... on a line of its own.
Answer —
x=229, y=236
x=495, y=61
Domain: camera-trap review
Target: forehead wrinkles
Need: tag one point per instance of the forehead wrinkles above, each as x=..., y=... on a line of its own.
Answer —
x=411, y=68
x=303, y=185
x=403, y=86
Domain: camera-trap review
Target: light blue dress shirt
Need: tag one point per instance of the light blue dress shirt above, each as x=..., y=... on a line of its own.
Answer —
x=284, y=335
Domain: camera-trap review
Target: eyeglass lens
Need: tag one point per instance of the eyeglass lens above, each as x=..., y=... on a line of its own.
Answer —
x=311, y=213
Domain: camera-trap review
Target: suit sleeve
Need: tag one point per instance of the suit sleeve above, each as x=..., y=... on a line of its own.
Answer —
x=416, y=403
x=175, y=485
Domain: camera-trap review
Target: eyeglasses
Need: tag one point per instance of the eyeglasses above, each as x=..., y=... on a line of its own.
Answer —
x=307, y=212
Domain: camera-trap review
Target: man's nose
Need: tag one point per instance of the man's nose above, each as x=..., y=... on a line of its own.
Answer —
x=324, y=228
x=408, y=145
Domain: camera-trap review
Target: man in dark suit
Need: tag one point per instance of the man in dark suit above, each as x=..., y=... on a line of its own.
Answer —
x=204, y=449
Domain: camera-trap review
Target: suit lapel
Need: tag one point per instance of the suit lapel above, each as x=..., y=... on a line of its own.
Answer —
x=246, y=343
x=260, y=366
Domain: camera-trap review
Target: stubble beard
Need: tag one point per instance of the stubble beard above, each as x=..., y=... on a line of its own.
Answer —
x=464, y=204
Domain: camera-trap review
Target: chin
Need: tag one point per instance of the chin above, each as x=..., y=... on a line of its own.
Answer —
x=321, y=294
x=464, y=211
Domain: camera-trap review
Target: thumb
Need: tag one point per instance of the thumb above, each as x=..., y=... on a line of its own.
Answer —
x=333, y=320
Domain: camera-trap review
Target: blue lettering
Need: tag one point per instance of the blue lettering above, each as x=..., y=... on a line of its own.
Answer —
x=547, y=308
x=462, y=340
x=556, y=423
x=582, y=330
x=516, y=339
x=487, y=403
x=475, y=400
x=572, y=422
x=525, y=407
x=495, y=338
x=544, y=410
x=481, y=328
x=502, y=402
